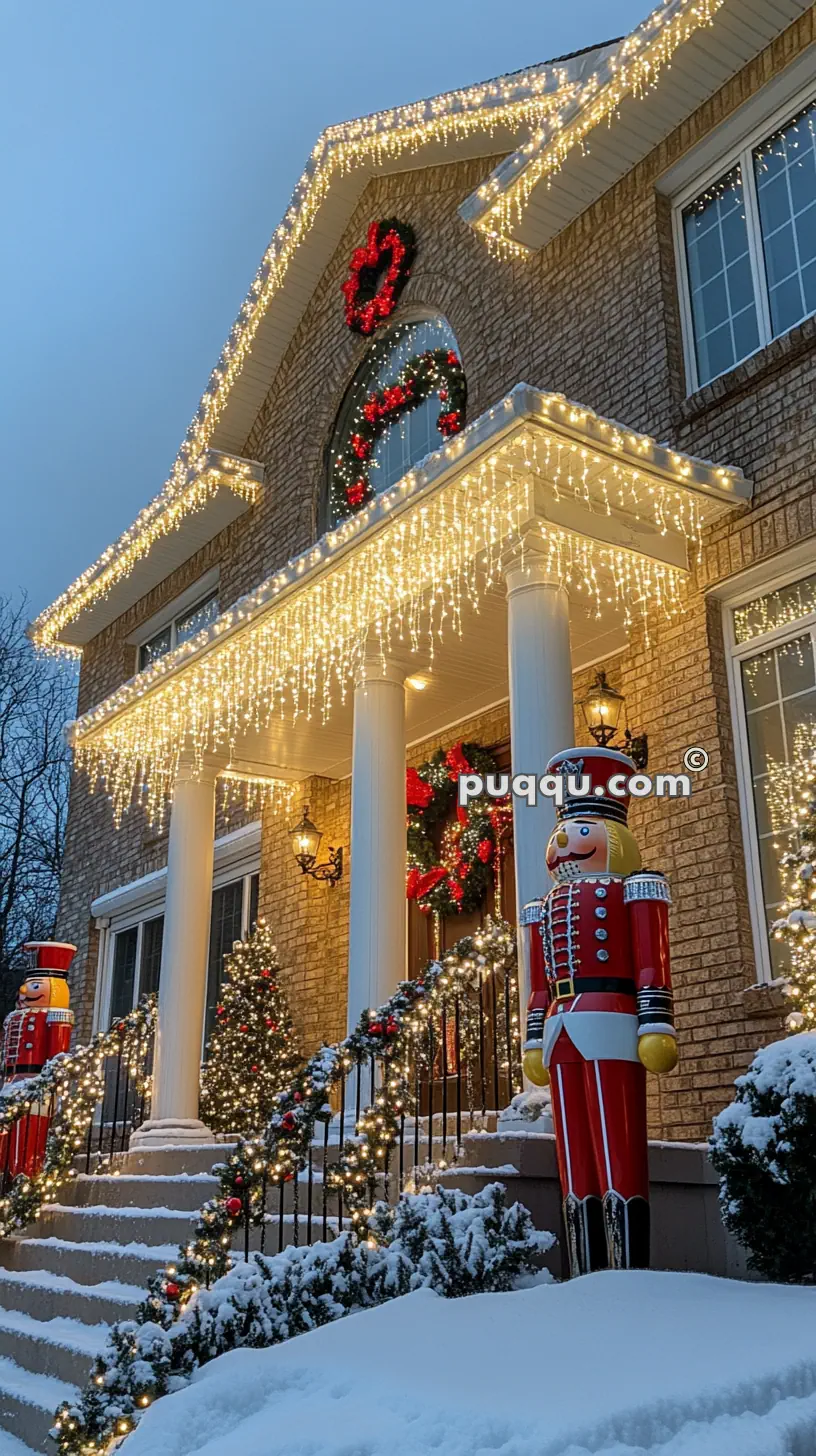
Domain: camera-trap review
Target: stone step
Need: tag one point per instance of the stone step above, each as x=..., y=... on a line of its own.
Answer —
x=186, y=1191
x=173, y=1159
x=28, y=1403
x=100, y=1223
x=61, y=1347
x=88, y=1263
x=46, y=1295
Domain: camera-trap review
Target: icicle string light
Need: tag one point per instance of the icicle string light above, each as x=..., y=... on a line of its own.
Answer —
x=631, y=71
x=560, y=112
x=240, y=793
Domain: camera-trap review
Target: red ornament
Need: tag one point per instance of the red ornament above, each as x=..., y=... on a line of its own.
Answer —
x=357, y=492
x=239, y=1182
x=450, y=423
x=484, y=850
x=391, y=1026
x=244, y=1027
x=287, y=1122
x=375, y=1027
x=266, y=975
x=254, y=1069
x=172, y=1290
x=298, y=1096
x=233, y=1207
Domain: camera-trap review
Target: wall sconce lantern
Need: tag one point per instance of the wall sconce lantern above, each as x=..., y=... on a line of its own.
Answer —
x=602, y=708
x=306, y=839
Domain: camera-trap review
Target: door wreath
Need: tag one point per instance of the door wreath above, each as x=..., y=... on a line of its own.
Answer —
x=458, y=877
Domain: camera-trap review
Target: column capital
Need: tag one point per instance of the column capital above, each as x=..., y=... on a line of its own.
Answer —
x=375, y=668
x=529, y=564
x=190, y=770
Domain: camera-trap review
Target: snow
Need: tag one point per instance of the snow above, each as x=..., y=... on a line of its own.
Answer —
x=72, y=1334
x=116, y=1210
x=160, y=1252
x=783, y=1070
x=10, y=1446
x=675, y=1364
x=41, y=1390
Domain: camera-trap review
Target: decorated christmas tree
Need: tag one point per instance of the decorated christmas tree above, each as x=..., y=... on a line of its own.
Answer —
x=252, y=1053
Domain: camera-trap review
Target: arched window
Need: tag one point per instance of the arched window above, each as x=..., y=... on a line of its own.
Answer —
x=411, y=437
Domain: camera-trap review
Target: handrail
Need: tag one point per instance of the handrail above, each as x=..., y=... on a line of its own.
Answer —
x=66, y=1093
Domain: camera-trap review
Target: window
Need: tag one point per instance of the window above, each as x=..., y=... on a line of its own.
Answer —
x=774, y=651
x=415, y=435
x=136, y=964
x=747, y=248
x=234, y=912
x=179, y=630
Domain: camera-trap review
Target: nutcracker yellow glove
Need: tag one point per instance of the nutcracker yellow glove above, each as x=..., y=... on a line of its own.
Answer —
x=657, y=1051
x=534, y=1068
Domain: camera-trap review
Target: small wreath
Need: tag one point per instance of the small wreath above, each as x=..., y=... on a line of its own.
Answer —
x=377, y=274
x=457, y=880
x=436, y=371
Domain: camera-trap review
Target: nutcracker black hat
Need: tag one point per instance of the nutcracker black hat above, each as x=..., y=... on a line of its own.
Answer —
x=599, y=766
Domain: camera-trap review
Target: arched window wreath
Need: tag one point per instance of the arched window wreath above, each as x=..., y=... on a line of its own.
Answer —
x=380, y=433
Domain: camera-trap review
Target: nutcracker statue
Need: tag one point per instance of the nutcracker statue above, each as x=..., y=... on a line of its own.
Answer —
x=600, y=1010
x=36, y=1031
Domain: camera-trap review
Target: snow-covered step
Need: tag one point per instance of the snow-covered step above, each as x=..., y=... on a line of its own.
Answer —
x=28, y=1402
x=45, y=1295
x=174, y=1158
x=86, y=1262
x=65, y=1348
x=186, y=1191
x=99, y=1222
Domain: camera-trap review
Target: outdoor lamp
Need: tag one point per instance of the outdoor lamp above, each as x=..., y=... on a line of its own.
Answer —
x=306, y=837
x=602, y=707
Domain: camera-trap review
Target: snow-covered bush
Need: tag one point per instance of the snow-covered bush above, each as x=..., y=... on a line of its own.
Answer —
x=764, y=1149
x=451, y=1242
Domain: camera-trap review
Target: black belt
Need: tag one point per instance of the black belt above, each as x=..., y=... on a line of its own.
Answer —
x=566, y=986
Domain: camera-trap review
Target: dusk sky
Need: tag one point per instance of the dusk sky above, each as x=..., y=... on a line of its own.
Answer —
x=147, y=154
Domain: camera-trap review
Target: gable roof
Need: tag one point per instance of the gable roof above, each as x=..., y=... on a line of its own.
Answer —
x=541, y=117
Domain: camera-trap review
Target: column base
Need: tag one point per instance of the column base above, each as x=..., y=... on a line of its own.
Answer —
x=170, y=1132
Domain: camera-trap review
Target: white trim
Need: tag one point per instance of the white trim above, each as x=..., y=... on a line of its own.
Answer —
x=730, y=145
x=757, y=581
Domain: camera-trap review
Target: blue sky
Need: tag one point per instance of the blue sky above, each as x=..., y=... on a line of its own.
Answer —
x=146, y=154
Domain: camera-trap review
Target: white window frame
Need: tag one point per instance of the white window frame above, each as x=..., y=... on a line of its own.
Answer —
x=741, y=154
x=751, y=586
x=187, y=601
x=237, y=857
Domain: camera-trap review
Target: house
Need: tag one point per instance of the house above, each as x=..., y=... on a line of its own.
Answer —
x=614, y=256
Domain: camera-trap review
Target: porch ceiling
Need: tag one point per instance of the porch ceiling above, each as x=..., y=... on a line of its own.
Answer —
x=420, y=570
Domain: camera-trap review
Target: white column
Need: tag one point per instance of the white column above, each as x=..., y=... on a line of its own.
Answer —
x=377, y=916
x=541, y=713
x=183, y=984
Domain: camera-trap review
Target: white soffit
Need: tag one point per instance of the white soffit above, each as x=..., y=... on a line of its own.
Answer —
x=740, y=29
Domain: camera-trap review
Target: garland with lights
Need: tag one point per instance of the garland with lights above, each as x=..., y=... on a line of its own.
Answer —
x=457, y=878
x=435, y=371
x=394, y=1035
x=252, y=1052
x=73, y=1083
x=378, y=272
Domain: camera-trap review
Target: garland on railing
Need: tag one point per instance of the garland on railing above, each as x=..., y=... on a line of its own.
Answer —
x=75, y=1083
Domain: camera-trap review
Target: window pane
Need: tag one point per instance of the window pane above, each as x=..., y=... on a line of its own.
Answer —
x=795, y=664
x=720, y=281
x=785, y=173
x=124, y=972
x=775, y=609
x=225, y=928
x=156, y=647
x=415, y=434
x=152, y=936
x=254, y=890
x=194, y=621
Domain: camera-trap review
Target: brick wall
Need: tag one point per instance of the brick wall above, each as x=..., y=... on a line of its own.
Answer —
x=595, y=316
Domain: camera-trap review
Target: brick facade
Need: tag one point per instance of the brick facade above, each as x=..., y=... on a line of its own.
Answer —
x=594, y=316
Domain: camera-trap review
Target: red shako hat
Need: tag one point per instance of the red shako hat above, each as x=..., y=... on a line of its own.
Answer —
x=599, y=765
x=50, y=957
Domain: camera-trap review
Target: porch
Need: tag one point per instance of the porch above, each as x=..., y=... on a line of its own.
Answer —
x=530, y=545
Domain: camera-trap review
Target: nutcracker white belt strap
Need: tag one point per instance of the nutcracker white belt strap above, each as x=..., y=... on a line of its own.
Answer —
x=598, y=1035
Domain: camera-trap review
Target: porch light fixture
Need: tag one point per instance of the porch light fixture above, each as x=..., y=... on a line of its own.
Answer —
x=602, y=707
x=306, y=839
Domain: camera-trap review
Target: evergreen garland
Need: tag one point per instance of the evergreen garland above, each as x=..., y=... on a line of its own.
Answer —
x=252, y=1052
x=137, y=1359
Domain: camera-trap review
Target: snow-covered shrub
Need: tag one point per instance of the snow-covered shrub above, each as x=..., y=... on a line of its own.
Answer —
x=764, y=1149
x=452, y=1242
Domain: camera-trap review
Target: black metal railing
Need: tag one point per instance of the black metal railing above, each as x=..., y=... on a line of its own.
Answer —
x=465, y=1067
